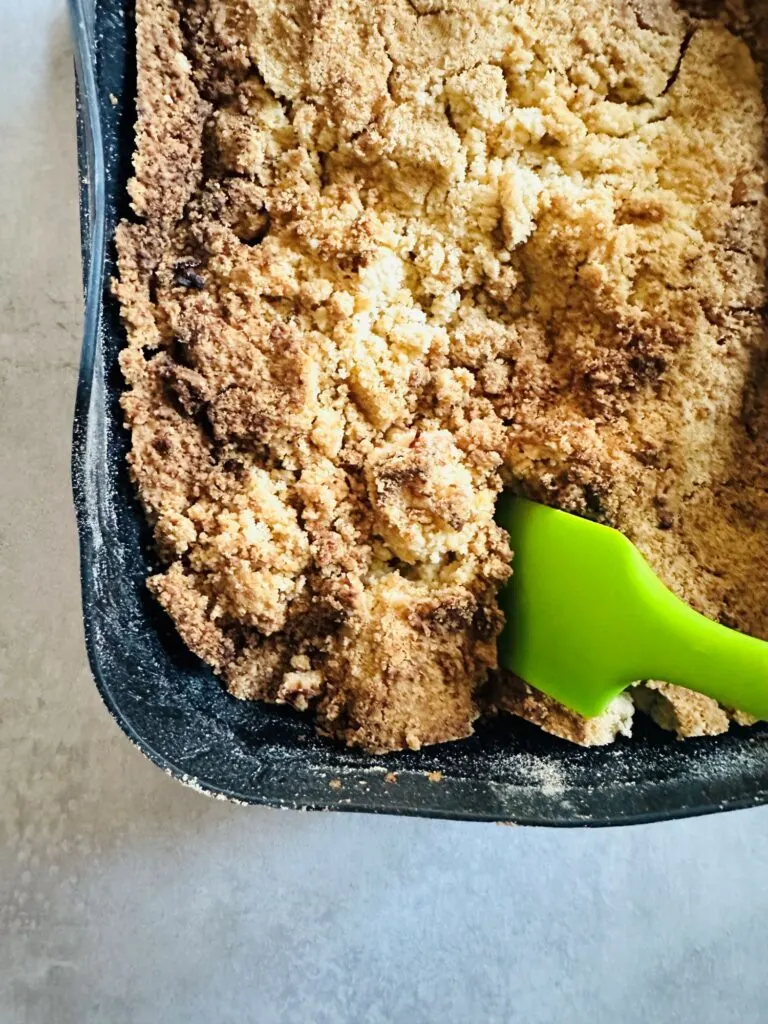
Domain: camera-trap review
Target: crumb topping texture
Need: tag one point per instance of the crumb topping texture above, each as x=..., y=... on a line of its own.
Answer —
x=390, y=257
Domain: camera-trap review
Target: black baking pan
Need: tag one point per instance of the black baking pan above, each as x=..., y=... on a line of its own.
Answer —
x=178, y=713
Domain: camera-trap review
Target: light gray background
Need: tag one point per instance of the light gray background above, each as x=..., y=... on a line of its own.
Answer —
x=127, y=899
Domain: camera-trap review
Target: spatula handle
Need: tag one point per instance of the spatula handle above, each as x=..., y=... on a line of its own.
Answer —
x=678, y=645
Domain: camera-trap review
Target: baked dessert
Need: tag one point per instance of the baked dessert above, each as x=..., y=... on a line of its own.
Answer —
x=390, y=257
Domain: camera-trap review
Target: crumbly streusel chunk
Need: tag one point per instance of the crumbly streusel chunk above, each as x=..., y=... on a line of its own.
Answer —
x=393, y=256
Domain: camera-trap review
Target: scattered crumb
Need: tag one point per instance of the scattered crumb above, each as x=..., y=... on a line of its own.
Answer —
x=435, y=776
x=335, y=784
x=741, y=717
x=518, y=698
x=390, y=778
x=681, y=711
x=113, y=99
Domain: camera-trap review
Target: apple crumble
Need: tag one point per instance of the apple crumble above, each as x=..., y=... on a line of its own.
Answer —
x=390, y=256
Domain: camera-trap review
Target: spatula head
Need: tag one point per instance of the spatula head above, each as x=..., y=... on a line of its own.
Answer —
x=572, y=605
x=586, y=616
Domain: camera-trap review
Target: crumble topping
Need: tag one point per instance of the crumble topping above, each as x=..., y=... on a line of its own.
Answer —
x=390, y=257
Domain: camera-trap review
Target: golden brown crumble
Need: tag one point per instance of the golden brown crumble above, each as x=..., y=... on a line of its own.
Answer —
x=389, y=257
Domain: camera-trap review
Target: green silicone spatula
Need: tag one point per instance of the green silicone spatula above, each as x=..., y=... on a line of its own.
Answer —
x=586, y=616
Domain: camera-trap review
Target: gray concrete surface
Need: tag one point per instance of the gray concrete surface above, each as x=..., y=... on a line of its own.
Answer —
x=126, y=899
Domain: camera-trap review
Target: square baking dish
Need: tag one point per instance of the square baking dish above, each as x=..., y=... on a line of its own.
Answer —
x=177, y=712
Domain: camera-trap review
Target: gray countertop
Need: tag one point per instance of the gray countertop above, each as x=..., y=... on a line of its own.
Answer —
x=127, y=899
